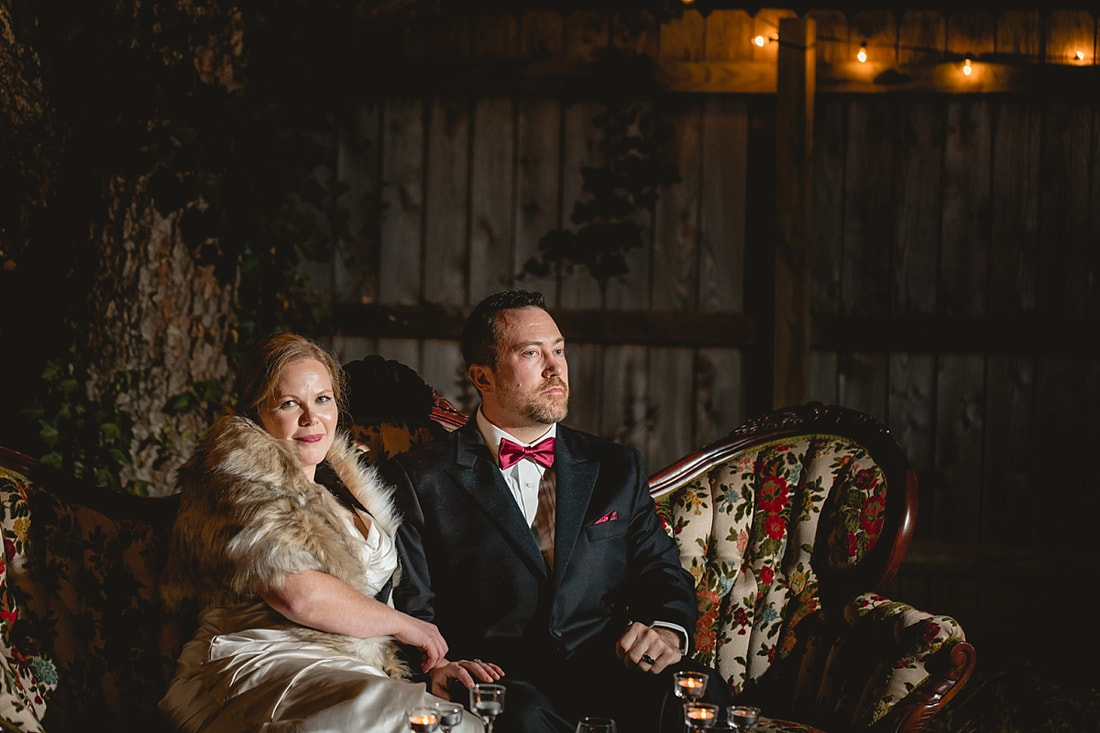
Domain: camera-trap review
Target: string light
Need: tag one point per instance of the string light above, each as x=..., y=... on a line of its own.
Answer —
x=967, y=69
x=862, y=55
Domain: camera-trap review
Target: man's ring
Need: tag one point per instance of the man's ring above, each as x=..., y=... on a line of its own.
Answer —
x=648, y=660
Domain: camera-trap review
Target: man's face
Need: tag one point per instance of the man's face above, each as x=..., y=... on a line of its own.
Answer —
x=530, y=385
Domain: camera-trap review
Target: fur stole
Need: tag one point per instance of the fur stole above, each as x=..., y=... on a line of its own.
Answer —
x=248, y=516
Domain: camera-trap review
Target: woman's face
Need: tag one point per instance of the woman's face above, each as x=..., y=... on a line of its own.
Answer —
x=303, y=410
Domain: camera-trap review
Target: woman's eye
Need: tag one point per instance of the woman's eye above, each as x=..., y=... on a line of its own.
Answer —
x=287, y=404
x=324, y=398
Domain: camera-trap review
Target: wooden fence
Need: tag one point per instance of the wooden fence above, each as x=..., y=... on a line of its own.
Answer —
x=954, y=246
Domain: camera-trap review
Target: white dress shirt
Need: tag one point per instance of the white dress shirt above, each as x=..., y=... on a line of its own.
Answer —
x=522, y=477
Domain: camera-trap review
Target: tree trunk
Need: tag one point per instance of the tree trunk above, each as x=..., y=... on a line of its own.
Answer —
x=157, y=315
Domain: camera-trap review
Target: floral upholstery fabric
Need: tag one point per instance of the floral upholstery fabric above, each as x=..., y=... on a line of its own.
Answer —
x=757, y=531
x=85, y=637
x=27, y=677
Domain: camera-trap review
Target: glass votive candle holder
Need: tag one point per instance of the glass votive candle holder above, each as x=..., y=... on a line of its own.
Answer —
x=742, y=717
x=700, y=715
x=423, y=720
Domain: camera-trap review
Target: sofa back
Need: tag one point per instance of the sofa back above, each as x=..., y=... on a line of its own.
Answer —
x=82, y=624
x=789, y=525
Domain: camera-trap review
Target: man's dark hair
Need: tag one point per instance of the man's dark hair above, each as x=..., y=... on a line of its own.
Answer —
x=481, y=334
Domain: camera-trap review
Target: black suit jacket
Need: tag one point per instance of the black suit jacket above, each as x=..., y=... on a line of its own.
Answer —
x=471, y=564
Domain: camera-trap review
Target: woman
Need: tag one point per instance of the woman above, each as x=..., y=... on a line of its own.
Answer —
x=284, y=540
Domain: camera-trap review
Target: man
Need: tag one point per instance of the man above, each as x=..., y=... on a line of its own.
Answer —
x=551, y=563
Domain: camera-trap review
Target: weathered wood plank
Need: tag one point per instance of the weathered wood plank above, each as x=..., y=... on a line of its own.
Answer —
x=1020, y=34
x=719, y=394
x=631, y=290
x=867, y=276
x=492, y=168
x=358, y=159
x=922, y=36
x=671, y=436
x=965, y=239
x=910, y=412
x=827, y=253
x=722, y=204
x=447, y=192
x=401, y=238
x=917, y=205
x=833, y=37
x=862, y=382
x=1008, y=451
x=447, y=178
x=404, y=350
x=585, y=382
x=1060, y=420
x=1069, y=33
x=1062, y=287
x=727, y=36
x=625, y=405
x=823, y=377
x=538, y=151
x=586, y=33
x=953, y=492
x=443, y=369
x=676, y=216
x=1014, y=192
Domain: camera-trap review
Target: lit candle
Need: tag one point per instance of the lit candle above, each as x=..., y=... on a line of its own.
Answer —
x=689, y=686
x=423, y=722
x=700, y=714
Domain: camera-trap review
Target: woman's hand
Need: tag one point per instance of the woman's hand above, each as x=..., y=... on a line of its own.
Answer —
x=465, y=671
x=424, y=636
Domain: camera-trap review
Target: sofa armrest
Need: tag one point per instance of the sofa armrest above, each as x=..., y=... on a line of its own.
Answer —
x=880, y=664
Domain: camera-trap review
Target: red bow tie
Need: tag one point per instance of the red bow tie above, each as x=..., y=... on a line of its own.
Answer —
x=512, y=453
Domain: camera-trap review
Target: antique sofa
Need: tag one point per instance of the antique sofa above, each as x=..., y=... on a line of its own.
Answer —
x=789, y=525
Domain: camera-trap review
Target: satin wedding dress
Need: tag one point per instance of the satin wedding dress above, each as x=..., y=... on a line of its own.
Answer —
x=244, y=672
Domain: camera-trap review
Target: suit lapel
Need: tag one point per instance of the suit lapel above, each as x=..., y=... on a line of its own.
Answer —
x=576, y=478
x=477, y=474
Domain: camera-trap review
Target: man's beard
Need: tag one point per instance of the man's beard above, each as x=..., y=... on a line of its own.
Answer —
x=549, y=409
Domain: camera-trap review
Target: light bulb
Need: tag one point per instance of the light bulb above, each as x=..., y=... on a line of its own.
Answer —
x=759, y=41
x=1080, y=55
x=967, y=69
x=862, y=55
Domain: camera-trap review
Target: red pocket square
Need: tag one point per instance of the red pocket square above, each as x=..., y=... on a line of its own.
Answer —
x=611, y=516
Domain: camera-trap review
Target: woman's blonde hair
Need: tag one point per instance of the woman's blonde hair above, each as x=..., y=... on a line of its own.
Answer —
x=263, y=366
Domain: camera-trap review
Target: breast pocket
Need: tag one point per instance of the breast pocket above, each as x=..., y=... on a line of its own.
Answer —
x=605, y=530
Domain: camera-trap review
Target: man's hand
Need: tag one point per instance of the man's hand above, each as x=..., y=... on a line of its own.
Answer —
x=464, y=671
x=650, y=650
